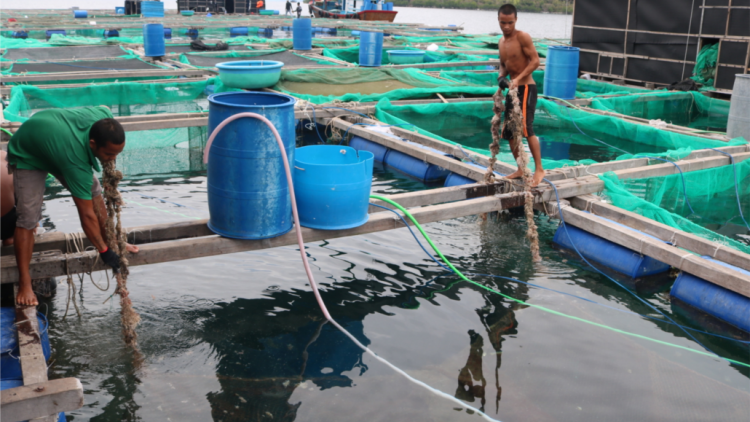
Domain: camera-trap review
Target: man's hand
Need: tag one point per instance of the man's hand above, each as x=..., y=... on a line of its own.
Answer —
x=513, y=83
x=503, y=83
x=110, y=258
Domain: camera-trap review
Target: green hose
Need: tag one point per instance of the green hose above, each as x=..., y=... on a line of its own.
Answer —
x=460, y=274
x=6, y=131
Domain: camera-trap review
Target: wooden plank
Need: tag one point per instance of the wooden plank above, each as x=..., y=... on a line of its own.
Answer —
x=426, y=155
x=680, y=259
x=41, y=399
x=678, y=238
x=444, y=64
x=31, y=356
x=152, y=253
x=66, y=76
x=197, y=228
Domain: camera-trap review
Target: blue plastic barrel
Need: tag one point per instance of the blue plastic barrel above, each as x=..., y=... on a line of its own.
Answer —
x=80, y=14
x=609, y=254
x=248, y=195
x=416, y=168
x=109, y=33
x=153, y=40
x=356, y=33
x=332, y=186
x=265, y=32
x=10, y=366
x=554, y=150
x=360, y=144
x=370, y=48
x=119, y=10
x=302, y=34
x=561, y=72
x=238, y=31
x=455, y=179
x=20, y=34
x=51, y=32
x=152, y=9
x=167, y=33
x=722, y=303
x=192, y=33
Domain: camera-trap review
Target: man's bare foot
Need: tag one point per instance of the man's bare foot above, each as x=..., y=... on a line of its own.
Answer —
x=516, y=175
x=132, y=248
x=538, y=176
x=26, y=296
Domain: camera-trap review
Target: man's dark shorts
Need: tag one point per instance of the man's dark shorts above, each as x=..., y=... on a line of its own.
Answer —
x=8, y=224
x=527, y=96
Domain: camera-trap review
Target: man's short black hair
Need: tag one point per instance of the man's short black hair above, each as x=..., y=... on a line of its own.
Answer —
x=107, y=131
x=507, y=9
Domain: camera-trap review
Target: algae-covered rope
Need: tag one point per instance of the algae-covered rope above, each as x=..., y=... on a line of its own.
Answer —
x=514, y=124
x=116, y=240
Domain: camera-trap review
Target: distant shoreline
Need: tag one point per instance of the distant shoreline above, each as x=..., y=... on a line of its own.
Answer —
x=556, y=7
x=484, y=10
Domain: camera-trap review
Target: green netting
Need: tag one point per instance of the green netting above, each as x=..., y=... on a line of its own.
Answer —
x=124, y=62
x=351, y=55
x=567, y=144
x=185, y=57
x=126, y=99
x=149, y=151
x=711, y=194
x=584, y=89
x=705, y=65
x=691, y=109
x=354, y=80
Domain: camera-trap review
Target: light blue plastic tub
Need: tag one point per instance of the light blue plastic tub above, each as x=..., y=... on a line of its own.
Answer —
x=187, y=12
x=250, y=74
x=332, y=186
x=406, y=56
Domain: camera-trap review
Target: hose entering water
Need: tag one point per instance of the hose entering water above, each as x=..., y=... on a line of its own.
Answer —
x=306, y=264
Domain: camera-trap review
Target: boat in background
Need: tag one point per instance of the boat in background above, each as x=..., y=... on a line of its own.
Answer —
x=333, y=9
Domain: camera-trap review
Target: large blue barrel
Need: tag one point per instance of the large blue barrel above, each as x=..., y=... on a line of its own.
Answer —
x=238, y=31
x=167, y=33
x=110, y=33
x=192, y=33
x=248, y=194
x=51, y=32
x=332, y=186
x=724, y=304
x=80, y=14
x=561, y=72
x=414, y=167
x=455, y=179
x=370, y=48
x=609, y=254
x=153, y=40
x=302, y=34
x=378, y=151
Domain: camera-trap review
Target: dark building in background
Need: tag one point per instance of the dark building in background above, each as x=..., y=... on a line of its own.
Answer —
x=658, y=41
x=219, y=6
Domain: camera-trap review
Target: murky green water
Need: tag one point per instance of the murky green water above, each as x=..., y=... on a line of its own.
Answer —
x=240, y=337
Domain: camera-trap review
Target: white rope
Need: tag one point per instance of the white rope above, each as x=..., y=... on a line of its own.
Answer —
x=687, y=40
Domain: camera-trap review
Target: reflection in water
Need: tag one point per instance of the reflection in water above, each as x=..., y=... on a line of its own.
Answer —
x=267, y=351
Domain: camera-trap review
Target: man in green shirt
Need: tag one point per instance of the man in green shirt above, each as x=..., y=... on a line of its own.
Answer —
x=66, y=144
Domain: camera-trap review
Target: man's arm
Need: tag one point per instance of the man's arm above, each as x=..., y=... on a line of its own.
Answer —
x=90, y=223
x=527, y=46
x=503, y=72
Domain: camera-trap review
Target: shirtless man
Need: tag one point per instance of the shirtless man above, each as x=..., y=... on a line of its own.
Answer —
x=518, y=58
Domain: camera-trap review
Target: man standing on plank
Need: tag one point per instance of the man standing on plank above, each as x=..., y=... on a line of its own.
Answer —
x=66, y=144
x=518, y=58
